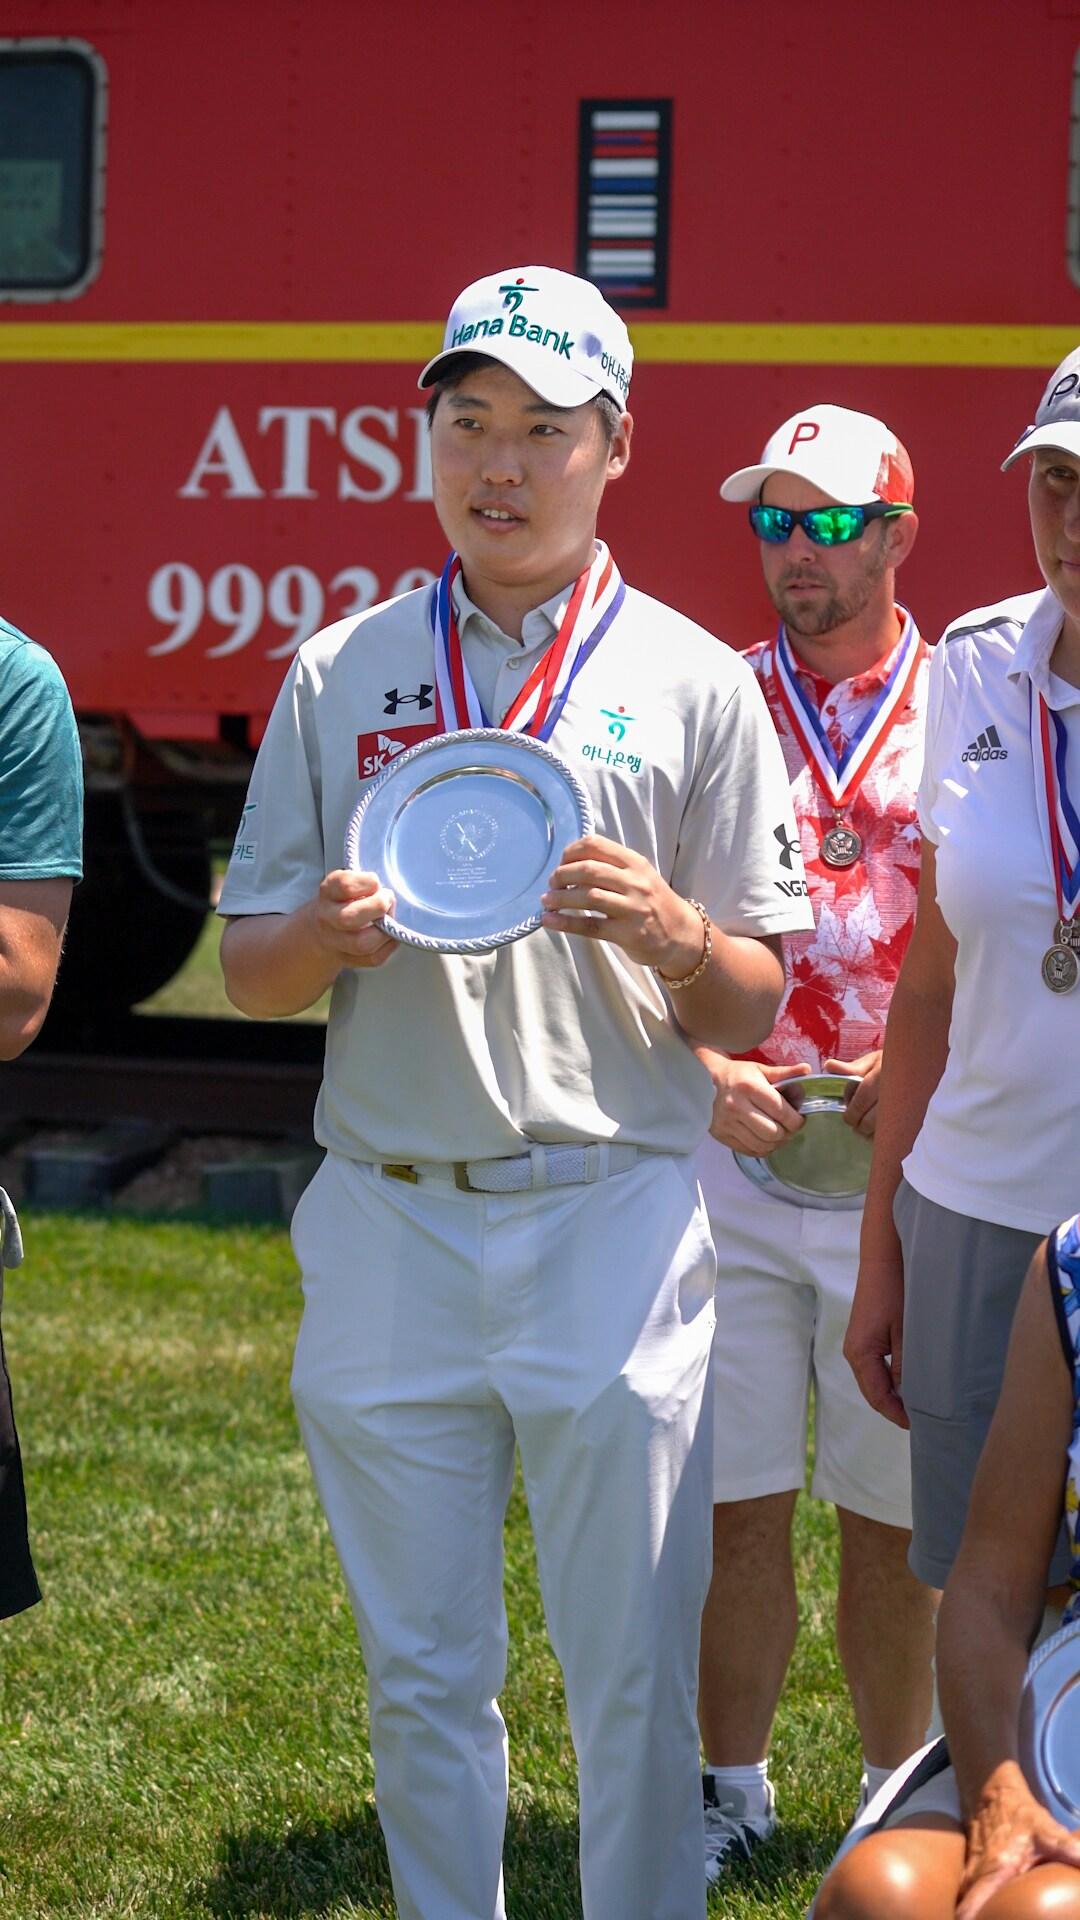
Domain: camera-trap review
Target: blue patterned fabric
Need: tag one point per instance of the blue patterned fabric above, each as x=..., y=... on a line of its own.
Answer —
x=1065, y=1270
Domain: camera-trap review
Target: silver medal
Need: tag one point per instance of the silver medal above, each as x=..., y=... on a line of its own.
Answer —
x=841, y=846
x=1060, y=969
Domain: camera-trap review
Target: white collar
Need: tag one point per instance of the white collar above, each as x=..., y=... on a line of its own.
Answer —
x=1033, y=650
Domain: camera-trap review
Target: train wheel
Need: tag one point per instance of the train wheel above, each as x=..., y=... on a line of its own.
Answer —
x=139, y=910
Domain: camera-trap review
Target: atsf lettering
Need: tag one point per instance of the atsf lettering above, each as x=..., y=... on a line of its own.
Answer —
x=293, y=453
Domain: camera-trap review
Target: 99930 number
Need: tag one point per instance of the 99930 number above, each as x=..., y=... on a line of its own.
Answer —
x=237, y=600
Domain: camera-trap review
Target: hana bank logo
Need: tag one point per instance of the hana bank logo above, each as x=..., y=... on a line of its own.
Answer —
x=617, y=721
x=514, y=293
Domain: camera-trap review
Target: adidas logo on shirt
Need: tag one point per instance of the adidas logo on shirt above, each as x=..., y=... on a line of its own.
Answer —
x=987, y=747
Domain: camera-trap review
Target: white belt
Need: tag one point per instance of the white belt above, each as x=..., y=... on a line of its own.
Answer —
x=520, y=1172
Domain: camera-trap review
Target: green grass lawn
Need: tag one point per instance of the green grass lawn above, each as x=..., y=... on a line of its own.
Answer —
x=182, y=1723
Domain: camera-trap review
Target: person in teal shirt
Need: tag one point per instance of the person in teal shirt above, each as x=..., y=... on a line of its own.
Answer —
x=41, y=798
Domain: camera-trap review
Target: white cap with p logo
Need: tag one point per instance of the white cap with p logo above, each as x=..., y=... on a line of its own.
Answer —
x=852, y=457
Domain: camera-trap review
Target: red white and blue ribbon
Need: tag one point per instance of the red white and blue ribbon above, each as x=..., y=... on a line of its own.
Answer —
x=1049, y=749
x=840, y=775
x=595, y=600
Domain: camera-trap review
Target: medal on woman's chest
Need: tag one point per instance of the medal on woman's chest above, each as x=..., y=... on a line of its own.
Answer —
x=1060, y=965
x=839, y=775
x=1060, y=969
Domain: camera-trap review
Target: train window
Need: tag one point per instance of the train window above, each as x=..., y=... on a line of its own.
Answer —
x=624, y=199
x=52, y=122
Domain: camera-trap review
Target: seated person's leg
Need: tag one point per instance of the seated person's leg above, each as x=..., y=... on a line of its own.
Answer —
x=1046, y=1893
x=899, y=1873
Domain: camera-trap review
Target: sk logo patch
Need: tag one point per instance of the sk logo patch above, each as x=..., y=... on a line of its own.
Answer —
x=374, y=751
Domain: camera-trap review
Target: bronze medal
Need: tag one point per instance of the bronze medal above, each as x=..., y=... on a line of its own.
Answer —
x=1060, y=969
x=839, y=772
x=841, y=846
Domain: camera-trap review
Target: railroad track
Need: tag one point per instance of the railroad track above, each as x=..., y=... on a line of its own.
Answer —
x=257, y=1077
x=87, y=1110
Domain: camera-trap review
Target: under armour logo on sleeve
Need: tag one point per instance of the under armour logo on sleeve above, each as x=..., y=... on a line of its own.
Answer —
x=787, y=847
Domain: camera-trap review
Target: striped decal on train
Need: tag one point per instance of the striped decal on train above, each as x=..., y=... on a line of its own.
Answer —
x=624, y=176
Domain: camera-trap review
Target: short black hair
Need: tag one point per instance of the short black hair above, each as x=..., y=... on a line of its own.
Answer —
x=460, y=367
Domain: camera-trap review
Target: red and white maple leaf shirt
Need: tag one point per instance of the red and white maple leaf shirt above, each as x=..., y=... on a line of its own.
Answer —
x=841, y=975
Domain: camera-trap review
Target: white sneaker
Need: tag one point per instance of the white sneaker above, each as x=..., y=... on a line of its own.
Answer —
x=730, y=1833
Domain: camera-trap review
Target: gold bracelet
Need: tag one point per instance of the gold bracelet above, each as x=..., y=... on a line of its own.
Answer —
x=676, y=986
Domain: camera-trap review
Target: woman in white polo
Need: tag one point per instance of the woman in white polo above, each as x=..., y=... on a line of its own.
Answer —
x=977, y=1151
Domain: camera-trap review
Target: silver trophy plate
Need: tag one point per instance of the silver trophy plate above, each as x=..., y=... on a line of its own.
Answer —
x=1049, y=1740
x=466, y=828
x=826, y=1164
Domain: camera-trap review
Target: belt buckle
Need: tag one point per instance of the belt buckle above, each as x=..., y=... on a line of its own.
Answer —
x=461, y=1176
x=394, y=1170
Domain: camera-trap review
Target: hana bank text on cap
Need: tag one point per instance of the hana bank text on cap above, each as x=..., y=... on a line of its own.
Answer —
x=1057, y=422
x=852, y=457
x=555, y=331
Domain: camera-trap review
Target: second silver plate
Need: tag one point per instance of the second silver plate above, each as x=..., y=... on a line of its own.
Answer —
x=1049, y=1737
x=826, y=1164
x=466, y=829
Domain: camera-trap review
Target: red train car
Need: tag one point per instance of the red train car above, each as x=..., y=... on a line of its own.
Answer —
x=229, y=230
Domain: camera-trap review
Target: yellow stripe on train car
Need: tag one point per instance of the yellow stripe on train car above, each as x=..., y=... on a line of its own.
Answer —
x=656, y=342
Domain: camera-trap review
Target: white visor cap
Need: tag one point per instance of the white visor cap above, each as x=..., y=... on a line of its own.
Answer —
x=852, y=457
x=1057, y=422
x=555, y=331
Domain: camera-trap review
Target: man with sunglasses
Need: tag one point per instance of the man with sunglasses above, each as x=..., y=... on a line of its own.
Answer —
x=845, y=680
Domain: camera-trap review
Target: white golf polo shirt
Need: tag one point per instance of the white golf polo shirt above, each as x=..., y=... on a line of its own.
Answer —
x=999, y=1141
x=448, y=1056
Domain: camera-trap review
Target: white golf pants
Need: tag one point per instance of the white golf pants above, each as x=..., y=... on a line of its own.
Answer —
x=439, y=1327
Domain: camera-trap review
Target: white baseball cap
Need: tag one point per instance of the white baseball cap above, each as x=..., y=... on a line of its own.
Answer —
x=851, y=456
x=1057, y=422
x=556, y=331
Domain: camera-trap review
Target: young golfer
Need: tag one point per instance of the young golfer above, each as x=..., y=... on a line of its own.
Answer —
x=506, y=1243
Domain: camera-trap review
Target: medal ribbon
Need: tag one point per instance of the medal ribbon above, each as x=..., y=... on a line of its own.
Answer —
x=1049, y=746
x=840, y=776
x=597, y=596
